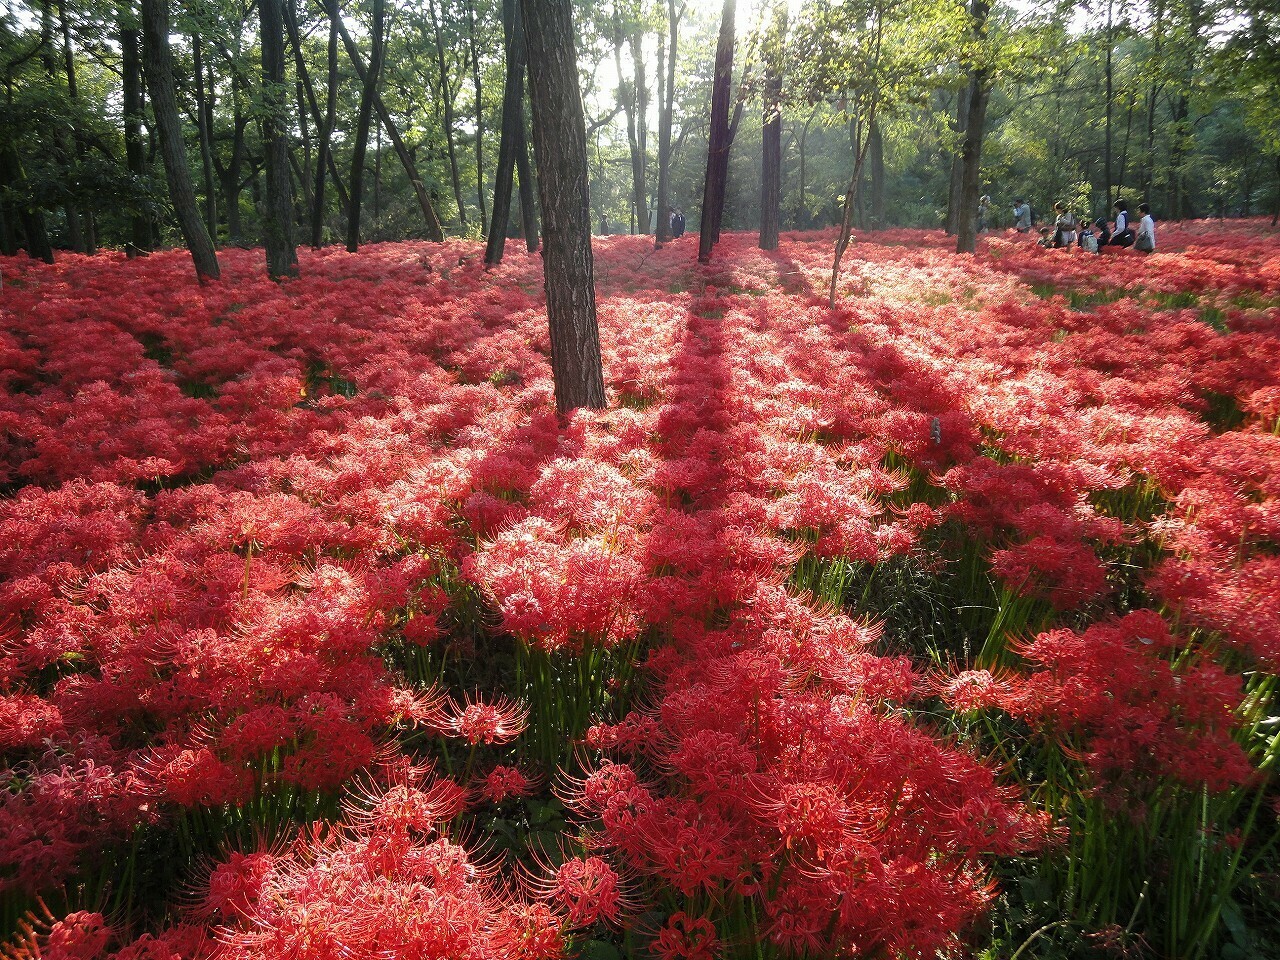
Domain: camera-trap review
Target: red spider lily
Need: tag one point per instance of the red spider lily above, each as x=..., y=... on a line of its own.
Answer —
x=493, y=721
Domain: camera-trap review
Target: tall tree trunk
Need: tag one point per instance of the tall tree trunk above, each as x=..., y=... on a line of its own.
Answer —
x=282, y=255
x=971, y=151
x=560, y=148
x=512, y=130
x=635, y=104
x=30, y=216
x=1109, y=93
x=446, y=102
x=960, y=127
x=876, y=158
x=367, y=95
x=713, y=189
x=1275, y=217
x=528, y=206
x=204, y=123
x=164, y=103
x=135, y=155
x=323, y=147
x=971, y=186
x=666, y=112
x=233, y=182
x=62, y=140
x=87, y=226
x=475, y=83
x=393, y=134
x=771, y=140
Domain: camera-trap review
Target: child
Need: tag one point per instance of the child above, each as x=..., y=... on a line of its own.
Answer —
x=1088, y=242
x=1104, y=234
x=1064, y=226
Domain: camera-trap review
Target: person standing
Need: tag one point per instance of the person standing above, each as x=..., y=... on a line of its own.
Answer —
x=1021, y=215
x=1064, y=226
x=1145, y=238
x=984, y=212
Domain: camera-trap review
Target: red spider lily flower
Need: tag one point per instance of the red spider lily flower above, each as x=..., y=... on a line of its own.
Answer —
x=477, y=721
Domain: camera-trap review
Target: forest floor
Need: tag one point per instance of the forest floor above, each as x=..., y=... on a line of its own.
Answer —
x=944, y=620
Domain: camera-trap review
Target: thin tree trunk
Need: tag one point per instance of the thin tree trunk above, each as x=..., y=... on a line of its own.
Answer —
x=446, y=101
x=1275, y=217
x=204, y=123
x=713, y=190
x=560, y=146
x=771, y=140
x=527, y=181
x=1110, y=98
x=957, y=163
x=164, y=103
x=323, y=147
x=88, y=237
x=876, y=149
x=666, y=118
x=512, y=131
x=282, y=255
x=135, y=155
x=475, y=83
x=64, y=150
x=393, y=134
x=971, y=151
x=367, y=95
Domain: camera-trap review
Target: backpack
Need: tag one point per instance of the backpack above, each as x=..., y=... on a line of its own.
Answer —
x=1089, y=243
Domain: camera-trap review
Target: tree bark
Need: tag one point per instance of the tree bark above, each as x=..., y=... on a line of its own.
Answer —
x=560, y=148
x=204, y=123
x=1109, y=93
x=771, y=137
x=475, y=83
x=282, y=255
x=527, y=181
x=512, y=130
x=367, y=95
x=961, y=127
x=446, y=101
x=31, y=217
x=135, y=155
x=666, y=116
x=876, y=157
x=393, y=134
x=164, y=103
x=713, y=189
x=971, y=151
x=967, y=224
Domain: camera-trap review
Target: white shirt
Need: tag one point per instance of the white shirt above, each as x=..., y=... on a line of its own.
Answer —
x=1147, y=227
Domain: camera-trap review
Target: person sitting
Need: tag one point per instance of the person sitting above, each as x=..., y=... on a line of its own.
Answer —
x=1064, y=226
x=1087, y=240
x=1122, y=235
x=1145, y=237
x=1104, y=232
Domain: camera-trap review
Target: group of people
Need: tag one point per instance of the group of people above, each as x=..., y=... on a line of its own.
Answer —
x=1068, y=230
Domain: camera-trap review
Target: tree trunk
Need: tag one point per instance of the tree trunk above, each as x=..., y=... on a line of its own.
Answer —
x=475, y=83
x=713, y=189
x=31, y=217
x=135, y=155
x=204, y=123
x=512, y=130
x=282, y=255
x=876, y=157
x=1109, y=93
x=87, y=227
x=164, y=103
x=560, y=148
x=367, y=95
x=961, y=127
x=635, y=104
x=771, y=139
x=446, y=102
x=666, y=116
x=971, y=186
x=393, y=134
x=528, y=206
x=971, y=151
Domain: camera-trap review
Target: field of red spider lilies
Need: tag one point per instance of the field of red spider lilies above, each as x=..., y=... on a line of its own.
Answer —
x=940, y=623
